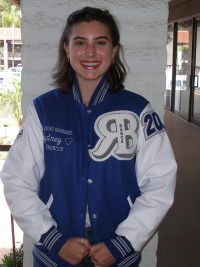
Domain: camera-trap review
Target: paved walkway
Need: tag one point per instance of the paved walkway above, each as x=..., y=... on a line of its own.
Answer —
x=179, y=234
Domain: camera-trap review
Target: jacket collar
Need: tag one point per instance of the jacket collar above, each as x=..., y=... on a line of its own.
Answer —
x=98, y=95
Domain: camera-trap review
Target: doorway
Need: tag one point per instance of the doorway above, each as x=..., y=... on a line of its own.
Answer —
x=196, y=88
x=182, y=94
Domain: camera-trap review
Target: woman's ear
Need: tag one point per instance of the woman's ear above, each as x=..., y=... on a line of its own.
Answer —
x=114, y=52
x=66, y=50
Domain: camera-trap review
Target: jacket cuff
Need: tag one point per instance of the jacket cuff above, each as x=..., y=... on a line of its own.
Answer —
x=53, y=240
x=119, y=247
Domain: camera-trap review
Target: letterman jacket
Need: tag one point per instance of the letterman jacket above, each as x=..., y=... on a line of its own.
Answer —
x=113, y=156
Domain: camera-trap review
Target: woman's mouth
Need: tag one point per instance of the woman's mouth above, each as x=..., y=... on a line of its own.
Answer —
x=90, y=65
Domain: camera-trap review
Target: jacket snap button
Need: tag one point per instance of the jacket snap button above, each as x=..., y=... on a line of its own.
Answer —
x=94, y=216
x=90, y=181
x=89, y=111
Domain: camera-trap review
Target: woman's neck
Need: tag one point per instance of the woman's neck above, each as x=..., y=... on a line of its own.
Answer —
x=87, y=89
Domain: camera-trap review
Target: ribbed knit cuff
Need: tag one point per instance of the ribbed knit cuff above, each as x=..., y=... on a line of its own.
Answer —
x=132, y=260
x=53, y=240
x=119, y=247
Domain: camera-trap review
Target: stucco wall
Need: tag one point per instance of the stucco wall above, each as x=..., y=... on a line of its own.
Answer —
x=143, y=35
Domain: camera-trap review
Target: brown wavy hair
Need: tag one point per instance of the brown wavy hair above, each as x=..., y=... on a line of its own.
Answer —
x=63, y=75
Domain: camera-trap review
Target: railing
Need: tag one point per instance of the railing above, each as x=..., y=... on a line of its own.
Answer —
x=6, y=148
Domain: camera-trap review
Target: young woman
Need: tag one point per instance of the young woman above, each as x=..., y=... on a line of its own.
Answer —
x=92, y=173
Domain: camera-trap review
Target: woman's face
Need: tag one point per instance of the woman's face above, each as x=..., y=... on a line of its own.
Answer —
x=90, y=51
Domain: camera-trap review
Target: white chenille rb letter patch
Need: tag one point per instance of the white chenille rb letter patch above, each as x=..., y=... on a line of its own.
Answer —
x=117, y=133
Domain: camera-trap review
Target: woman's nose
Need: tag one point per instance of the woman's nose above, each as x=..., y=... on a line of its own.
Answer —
x=90, y=50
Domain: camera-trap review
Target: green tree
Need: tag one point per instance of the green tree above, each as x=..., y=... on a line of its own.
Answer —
x=9, y=14
x=5, y=5
x=10, y=100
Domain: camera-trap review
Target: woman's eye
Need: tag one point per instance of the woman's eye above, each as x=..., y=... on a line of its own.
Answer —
x=79, y=43
x=101, y=43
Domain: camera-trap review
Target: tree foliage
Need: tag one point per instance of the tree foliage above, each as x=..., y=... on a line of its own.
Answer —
x=10, y=100
x=9, y=14
x=5, y=5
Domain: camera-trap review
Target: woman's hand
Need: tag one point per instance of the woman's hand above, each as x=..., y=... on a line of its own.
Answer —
x=74, y=250
x=101, y=256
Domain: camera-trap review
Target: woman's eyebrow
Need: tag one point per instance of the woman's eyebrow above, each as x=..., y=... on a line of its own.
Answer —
x=101, y=37
x=96, y=38
x=79, y=37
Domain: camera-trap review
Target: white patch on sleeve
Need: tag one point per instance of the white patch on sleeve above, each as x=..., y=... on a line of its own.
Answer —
x=19, y=136
x=50, y=201
x=130, y=201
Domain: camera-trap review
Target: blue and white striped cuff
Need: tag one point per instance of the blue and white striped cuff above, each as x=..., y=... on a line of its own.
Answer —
x=119, y=247
x=53, y=240
x=130, y=260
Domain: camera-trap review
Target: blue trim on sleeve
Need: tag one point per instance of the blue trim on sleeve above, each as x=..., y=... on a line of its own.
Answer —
x=123, y=252
x=119, y=246
x=131, y=260
x=53, y=240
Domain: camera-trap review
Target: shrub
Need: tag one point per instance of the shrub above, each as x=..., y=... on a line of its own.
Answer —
x=8, y=259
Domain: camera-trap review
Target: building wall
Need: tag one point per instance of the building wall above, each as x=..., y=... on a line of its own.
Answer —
x=143, y=35
x=7, y=58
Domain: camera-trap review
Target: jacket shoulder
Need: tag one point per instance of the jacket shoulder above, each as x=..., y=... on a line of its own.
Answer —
x=126, y=94
x=50, y=103
x=131, y=100
x=48, y=96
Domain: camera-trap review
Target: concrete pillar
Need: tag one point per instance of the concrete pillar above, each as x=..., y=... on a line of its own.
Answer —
x=143, y=35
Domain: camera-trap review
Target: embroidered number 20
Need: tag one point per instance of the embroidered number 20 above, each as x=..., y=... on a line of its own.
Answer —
x=152, y=124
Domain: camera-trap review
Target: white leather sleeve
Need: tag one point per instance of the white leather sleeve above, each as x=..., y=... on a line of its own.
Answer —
x=21, y=174
x=156, y=173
